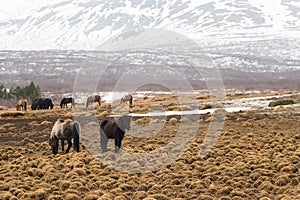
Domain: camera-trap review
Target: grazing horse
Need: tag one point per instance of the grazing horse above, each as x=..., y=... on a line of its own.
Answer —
x=21, y=104
x=64, y=130
x=127, y=98
x=48, y=104
x=111, y=129
x=42, y=104
x=35, y=104
x=91, y=99
x=64, y=102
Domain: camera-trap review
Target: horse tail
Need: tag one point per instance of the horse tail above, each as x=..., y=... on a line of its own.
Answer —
x=76, y=127
x=73, y=102
x=87, y=102
x=25, y=105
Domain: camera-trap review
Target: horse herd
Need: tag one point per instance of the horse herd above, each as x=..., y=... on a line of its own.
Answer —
x=68, y=130
x=46, y=103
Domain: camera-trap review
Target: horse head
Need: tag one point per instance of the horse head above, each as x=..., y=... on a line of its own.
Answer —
x=17, y=106
x=124, y=122
x=54, y=144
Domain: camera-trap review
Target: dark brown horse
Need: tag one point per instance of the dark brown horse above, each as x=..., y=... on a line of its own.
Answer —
x=64, y=130
x=64, y=102
x=21, y=104
x=127, y=98
x=92, y=99
x=111, y=129
x=42, y=104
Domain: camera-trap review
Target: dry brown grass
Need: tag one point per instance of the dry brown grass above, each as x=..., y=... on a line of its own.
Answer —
x=256, y=157
x=203, y=96
x=210, y=105
x=12, y=114
x=280, y=109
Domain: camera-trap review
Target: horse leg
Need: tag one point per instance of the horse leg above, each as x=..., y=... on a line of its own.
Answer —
x=118, y=142
x=62, y=145
x=54, y=145
x=69, y=145
x=76, y=133
x=104, y=141
x=55, y=149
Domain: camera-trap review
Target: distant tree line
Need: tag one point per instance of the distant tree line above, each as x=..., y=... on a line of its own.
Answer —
x=30, y=91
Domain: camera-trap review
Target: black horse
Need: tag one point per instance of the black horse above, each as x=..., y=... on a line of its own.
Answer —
x=64, y=102
x=64, y=130
x=111, y=129
x=42, y=104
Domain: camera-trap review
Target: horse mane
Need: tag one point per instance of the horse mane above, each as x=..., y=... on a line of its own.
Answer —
x=103, y=123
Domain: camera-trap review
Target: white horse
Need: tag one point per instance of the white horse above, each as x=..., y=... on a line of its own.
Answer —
x=65, y=130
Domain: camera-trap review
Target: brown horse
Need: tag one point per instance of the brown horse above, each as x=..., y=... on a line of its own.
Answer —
x=111, y=129
x=127, y=98
x=91, y=99
x=21, y=104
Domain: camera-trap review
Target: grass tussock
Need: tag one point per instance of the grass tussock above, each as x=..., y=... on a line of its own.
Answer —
x=210, y=105
x=103, y=114
x=139, y=109
x=12, y=114
x=179, y=108
x=173, y=120
x=280, y=109
x=281, y=102
x=203, y=96
x=143, y=121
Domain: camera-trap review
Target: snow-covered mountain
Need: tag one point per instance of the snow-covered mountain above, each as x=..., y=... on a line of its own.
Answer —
x=77, y=24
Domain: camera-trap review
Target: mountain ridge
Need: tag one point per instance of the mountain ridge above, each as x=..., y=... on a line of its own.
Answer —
x=78, y=25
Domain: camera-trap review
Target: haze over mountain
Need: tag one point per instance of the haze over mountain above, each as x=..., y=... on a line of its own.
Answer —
x=76, y=24
x=254, y=43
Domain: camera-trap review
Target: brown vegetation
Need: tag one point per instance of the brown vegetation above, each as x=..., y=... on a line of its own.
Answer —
x=257, y=156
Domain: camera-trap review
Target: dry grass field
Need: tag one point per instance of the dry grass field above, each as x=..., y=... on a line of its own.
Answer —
x=257, y=156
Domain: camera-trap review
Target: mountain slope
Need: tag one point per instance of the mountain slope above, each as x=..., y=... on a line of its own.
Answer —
x=74, y=24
